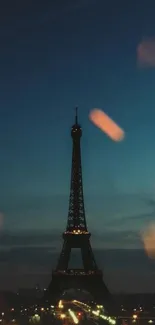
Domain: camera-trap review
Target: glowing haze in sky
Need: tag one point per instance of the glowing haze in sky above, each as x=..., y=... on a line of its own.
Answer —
x=55, y=55
x=106, y=124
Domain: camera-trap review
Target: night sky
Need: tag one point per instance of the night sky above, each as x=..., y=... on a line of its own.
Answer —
x=55, y=55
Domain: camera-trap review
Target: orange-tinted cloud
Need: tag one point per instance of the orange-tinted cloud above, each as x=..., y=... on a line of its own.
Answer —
x=148, y=237
x=106, y=124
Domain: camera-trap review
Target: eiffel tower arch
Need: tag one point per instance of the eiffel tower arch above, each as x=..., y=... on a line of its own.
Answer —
x=76, y=235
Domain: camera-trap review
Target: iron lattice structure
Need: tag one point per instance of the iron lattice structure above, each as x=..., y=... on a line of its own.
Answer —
x=76, y=214
x=76, y=234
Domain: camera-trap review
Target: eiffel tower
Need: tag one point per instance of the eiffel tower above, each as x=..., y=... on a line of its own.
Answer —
x=76, y=235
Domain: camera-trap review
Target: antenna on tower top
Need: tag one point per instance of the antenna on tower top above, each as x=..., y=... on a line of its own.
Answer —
x=76, y=115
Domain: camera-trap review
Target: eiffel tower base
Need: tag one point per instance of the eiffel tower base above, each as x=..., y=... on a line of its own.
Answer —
x=91, y=283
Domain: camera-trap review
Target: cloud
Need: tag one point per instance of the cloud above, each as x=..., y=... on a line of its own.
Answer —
x=111, y=238
x=142, y=217
x=29, y=238
x=1, y=220
x=130, y=218
x=146, y=53
x=108, y=238
x=45, y=219
x=34, y=211
x=124, y=270
x=45, y=211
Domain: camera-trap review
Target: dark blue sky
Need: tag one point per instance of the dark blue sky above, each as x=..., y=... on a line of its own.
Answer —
x=55, y=55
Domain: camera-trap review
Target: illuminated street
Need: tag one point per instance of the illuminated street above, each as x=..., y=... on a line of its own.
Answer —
x=75, y=312
x=78, y=312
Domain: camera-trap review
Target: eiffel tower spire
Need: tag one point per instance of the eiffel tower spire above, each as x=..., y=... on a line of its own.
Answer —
x=76, y=115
